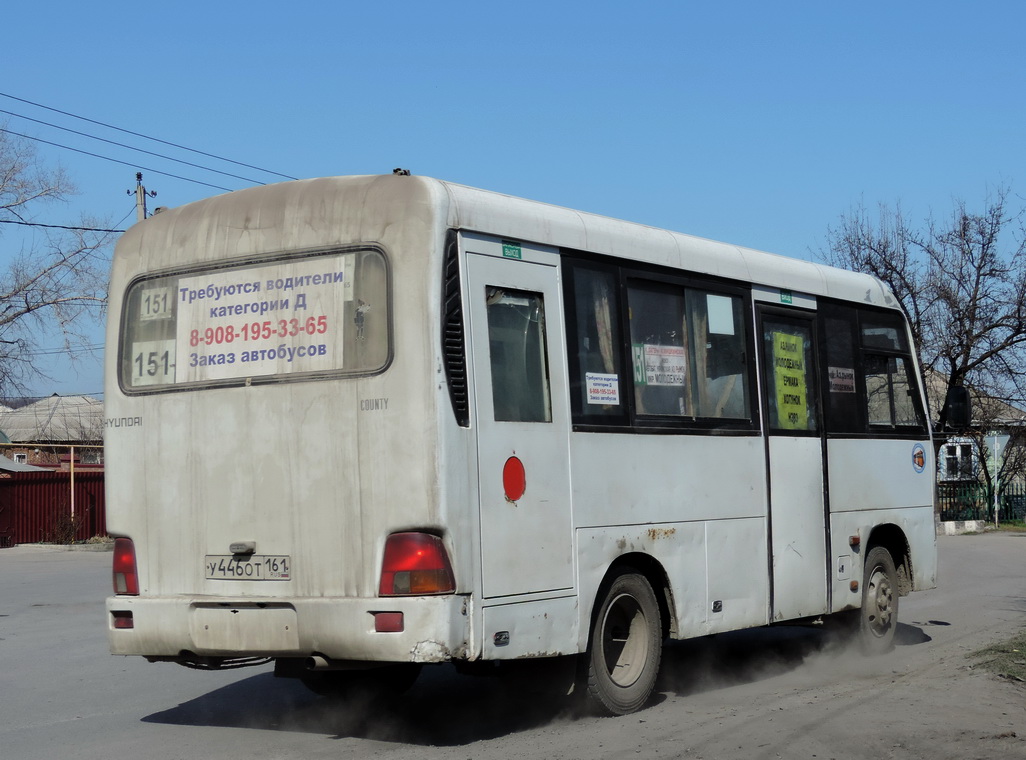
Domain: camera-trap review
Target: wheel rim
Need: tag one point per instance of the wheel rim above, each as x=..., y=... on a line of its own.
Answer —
x=880, y=603
x=624, y=640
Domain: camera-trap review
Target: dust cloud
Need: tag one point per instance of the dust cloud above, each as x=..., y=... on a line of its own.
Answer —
x=447, y=708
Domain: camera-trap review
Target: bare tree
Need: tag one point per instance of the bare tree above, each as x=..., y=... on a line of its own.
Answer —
x=55, y=278
x=962, y=281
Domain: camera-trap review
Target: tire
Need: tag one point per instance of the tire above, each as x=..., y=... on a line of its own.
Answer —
x=373, y=685
x=878, y=619
x=626, y=646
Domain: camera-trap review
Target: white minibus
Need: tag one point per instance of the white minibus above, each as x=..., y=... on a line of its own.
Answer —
x=357, y=425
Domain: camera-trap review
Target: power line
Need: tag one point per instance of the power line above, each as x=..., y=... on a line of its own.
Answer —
x=65, y=350
x=114, y=160
x=68, y=227
x=147, y=137
x=130, y=147
x=32, y=399
x=122, y=220
x=56, y=226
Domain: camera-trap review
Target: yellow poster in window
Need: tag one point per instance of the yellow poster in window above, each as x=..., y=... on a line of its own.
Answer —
x=792, y=388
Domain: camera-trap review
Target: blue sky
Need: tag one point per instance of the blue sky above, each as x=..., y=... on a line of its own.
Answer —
x=751, y=122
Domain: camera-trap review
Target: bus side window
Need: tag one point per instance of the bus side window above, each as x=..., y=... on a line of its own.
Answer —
x=889, y=392
x=720, y=374
x=597, y=383
x=887, y=373
x=905, y=412
x=842, y=410
x=517, y=351
x=659, y=350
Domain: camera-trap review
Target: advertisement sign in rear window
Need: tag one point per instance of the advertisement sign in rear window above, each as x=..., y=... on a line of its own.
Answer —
x=316, y=314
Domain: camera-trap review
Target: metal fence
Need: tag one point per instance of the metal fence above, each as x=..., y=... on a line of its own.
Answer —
x=975, y=501
x=37, y=507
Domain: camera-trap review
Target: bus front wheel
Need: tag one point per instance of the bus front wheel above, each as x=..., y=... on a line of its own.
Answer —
x=626, y=646
x=878, y=619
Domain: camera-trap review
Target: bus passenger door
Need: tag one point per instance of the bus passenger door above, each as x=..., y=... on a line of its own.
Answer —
x=797, y=508
x=519, y=367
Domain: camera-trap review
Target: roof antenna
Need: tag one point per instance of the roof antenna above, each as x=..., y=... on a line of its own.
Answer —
x=401, y=172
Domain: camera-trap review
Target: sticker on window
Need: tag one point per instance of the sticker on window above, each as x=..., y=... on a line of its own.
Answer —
x=603, y=389
x=292, y=315
x=789, y=374
x=721, y=314
x=660, y=365
x=842, y=379
x=283, y=318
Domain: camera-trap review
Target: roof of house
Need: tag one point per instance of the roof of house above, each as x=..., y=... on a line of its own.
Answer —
x=56, y=419
x=993, y=410
x=9, y=465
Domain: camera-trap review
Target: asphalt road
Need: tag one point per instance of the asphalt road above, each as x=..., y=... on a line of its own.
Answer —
x=769, y=693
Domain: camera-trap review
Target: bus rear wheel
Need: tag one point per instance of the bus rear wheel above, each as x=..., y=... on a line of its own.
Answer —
x=626, y=646
x=878, y=619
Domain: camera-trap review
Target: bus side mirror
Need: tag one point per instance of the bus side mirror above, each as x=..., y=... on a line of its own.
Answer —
x=956, y=407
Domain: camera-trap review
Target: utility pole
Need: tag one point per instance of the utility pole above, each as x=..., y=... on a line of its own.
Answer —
x=140, y=197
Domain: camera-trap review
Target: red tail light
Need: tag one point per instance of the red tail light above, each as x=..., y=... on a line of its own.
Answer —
x=126, y=573
x=415, y=564
x=122, y=619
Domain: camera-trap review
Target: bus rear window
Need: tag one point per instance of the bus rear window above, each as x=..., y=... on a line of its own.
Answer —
x=325, y=313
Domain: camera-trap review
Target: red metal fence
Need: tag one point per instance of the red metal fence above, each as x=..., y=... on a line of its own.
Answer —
x=36, y=507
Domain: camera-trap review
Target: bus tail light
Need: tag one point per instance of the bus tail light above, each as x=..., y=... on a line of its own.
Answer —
x=415, y=564
x=122, y=619
x=126, y=572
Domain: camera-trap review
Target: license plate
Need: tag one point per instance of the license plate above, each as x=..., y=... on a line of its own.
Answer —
x=253, y=567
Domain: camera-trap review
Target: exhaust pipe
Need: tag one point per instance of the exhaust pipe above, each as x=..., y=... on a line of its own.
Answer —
x=317, y=662
x=320, y=662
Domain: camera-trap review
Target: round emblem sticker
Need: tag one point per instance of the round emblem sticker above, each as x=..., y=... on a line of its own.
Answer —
x=918, y=457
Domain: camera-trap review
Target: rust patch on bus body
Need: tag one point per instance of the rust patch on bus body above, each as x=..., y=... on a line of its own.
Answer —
x=656, y=533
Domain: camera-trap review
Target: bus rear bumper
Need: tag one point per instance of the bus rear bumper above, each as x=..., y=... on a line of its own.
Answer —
x=416, y=629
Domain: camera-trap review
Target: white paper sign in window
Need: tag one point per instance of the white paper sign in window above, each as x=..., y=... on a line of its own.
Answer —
x=309, y=314
x=603, y=388
x=294, y=323
x=665, y=365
